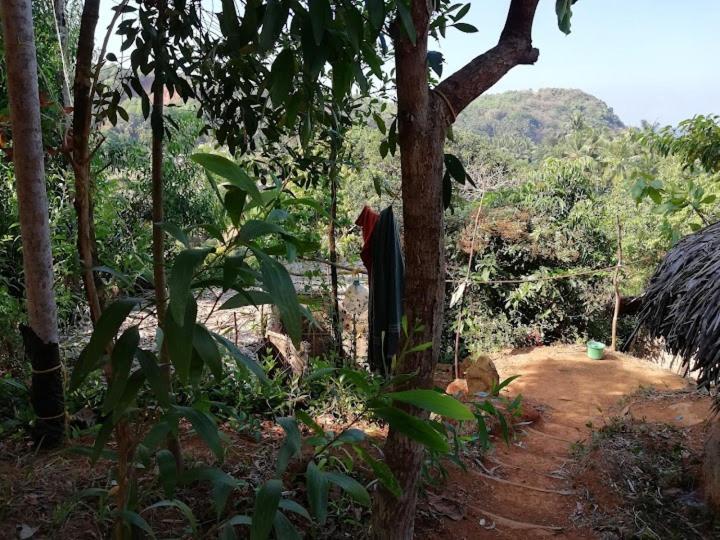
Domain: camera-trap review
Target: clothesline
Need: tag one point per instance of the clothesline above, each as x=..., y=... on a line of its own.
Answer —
x=530, y=279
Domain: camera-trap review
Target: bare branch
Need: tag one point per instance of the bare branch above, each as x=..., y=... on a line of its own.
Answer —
x=514, y=48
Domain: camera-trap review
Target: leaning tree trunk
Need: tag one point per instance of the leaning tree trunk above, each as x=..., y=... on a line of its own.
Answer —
x=40, y=336
x=82, y=121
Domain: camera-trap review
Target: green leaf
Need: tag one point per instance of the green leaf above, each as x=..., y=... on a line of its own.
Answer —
x=465, y=27
x=342, y=78
x=241, y=358
x=320, y=18
x=247, y=298
x=276, y=13
x=204, y=427
x=282, y=290
x=376, y=13
x=281, y=77
x=502, y=384
x=406, y=19
x=234, y=203
x=105, y=330
x=455, y=167
x=284, y=529
x=181, y=275
x=229, y=170
x=168, y=472
x=101, y=439
x=179, y=339
x=433, y=401
x=134, y=382
x=207, y=350
x=121, y=362
x=381, y=471
x=158, y=382
x=266, y=505
x=414, y=428
x=254, y=228
x=184, y=508
x=352, y=435
x=563, y=9
x=291, y=445
x=350, y=486
x=447, y=191
x=318, y=489
x=134, y=519
x=435, y=61
x=306, y=419
x=177, y=233
x=292, y=506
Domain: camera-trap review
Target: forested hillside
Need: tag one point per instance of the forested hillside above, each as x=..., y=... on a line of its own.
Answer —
x=539, y=115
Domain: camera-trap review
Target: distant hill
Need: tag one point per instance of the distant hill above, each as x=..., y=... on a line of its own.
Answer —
x=539, y=115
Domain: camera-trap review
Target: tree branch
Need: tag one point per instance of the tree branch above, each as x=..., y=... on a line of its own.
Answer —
x=514, y=48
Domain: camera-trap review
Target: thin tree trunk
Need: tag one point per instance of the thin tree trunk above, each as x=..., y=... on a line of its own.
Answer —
x=616, y=286
x=41, y=334
x=62, y=33
x=82, y=121
x=158, y=214
x=422, y=124
x=335, y=319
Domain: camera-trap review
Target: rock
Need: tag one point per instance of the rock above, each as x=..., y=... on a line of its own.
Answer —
x=711, y=466
x=480, y=374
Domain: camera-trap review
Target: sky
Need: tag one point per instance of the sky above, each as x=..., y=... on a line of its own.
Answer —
x=654, y=60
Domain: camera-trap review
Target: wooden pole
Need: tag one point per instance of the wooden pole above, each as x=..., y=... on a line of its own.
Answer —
x=616, y=286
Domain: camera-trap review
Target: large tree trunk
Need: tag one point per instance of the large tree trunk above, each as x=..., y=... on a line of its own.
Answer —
x=41, y=334
x=423, y=118
x=422, y=124
x=82, y=121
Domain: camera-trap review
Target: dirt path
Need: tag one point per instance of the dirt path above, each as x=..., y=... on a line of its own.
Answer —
x=525, y=490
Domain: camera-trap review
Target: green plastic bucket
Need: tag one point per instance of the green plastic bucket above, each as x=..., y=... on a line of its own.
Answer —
x=595, y=350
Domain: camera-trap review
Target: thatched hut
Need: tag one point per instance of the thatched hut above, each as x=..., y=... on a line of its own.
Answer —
x=682, y=304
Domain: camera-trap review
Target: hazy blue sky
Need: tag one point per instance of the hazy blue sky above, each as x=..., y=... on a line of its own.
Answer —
x=655, y=60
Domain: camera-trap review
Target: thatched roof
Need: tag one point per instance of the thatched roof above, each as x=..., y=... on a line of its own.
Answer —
x=682, y=303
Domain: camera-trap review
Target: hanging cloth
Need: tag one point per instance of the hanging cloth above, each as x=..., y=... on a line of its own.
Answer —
x=367, y=221
x=387, y=286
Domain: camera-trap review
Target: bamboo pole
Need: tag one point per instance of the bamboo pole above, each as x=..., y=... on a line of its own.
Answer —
x=616, y=286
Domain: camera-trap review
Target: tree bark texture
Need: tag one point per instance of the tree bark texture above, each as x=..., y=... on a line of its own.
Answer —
x=424, y=116
x=41, y=335
x=81, y=157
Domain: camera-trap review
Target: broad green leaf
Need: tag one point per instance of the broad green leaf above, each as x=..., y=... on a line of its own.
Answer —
x=254, y=228
x=206, y=348
x=284, y=529
x=282, y=290
x=292, y=506
x=381, y=471
x=342, y=78
x=179, y=339
x=563, y=9
x=134, y=519
x=177, y=233
x=281, y=77
x=247, y=298
x=234, y=203
x=106, y=328
x=350, y=486
x=465, y=27
x=134, y=382
x=241, y=358
x=496, y=389
x=406, y=19
x=291, y=445
x=306, y=419
x=352, y=435
x=276, y=13
x=433, y=401
x=183, y=270
x=230, y=171
x=101, y=439
x=455, y=167
x=266, y=505
x=158, y=381
x=318, y=489
x=204, y=427
x=184, y=508
x=320, y=18
x=435, y=61
x=414, y=428
x=376, y=13
x=121, y=362
x=168, y=472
